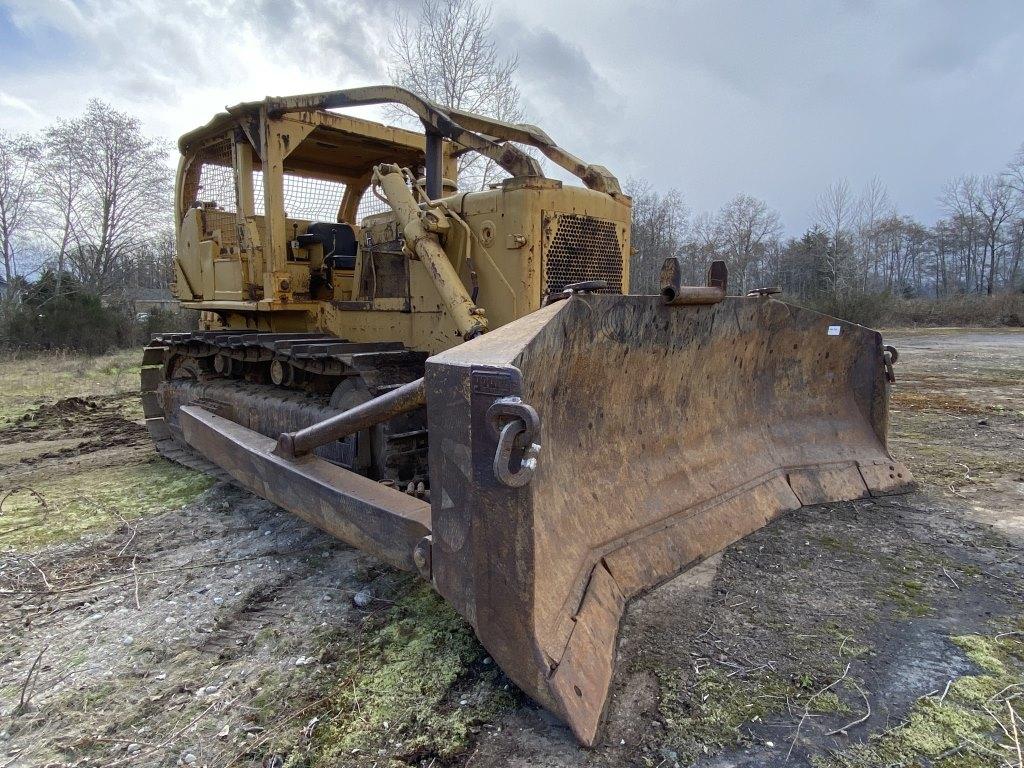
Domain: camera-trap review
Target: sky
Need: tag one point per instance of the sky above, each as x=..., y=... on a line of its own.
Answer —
x=776, y=99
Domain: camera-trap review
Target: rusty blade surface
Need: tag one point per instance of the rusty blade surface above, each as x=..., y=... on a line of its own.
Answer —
x=355, y=509
x=666, y=433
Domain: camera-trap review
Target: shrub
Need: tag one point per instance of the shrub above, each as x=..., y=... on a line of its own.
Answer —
x=870, y=309
x=876, y=310
x=163, y=321
x=73, y=318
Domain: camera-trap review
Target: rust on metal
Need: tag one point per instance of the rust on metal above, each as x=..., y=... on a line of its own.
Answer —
x=373, y=517
x=421, y=228
x=770, y=409
x=541, y=550
x=403, y=399
x=676, y=294
x=590, y=445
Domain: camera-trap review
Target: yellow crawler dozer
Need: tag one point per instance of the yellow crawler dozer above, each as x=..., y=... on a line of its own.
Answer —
x=461, y=383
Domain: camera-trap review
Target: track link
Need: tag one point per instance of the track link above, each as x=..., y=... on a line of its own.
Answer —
x=275, y=382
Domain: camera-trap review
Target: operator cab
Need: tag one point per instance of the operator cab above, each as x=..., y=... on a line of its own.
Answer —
x=324, y=192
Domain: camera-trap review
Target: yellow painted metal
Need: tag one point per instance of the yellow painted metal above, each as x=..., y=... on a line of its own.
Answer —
x=499, y=243
x=425, y=245
x=771, y=408
x=241, y=152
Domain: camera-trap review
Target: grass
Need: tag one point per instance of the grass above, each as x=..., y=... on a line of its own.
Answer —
x=977, y=723
x=1005, y=309
x=411, y=687
x=27, y=379
x=970, y=725
x=706, y=716
x=86, y=491
x=711, y=711
x=62, y=507
x=907, y=598
x=940, y=454
x=917, y=400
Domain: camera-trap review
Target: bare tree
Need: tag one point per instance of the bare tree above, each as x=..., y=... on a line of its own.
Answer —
x=18, y=199
x=873, y=207
x=704, y=244
x=659, y=230
x=958, y=198
x=836, y=212
x=995, y=203
x=1014, y=173
x=122, y=195
x=60, y=188
x=745, y=227
x=1014, y=176
x=1016, y=243
x=446, y=53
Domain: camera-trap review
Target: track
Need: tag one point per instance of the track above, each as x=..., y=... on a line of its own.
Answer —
x=277, y=382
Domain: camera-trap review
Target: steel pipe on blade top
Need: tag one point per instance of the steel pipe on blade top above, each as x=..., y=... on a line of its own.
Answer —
x=403, y=399
x=691, y=294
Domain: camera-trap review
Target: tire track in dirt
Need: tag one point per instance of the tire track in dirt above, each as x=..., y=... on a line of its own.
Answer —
x=259, y=607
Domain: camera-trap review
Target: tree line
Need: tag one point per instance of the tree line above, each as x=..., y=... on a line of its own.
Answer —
x=88, y=198
x=859, y=245
x=85, y=222
x=86, y=209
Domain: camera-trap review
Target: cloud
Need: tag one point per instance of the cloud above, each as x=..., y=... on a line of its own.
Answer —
x=550, y=66
x=60, y=14
x=175, y=66
x=714, y=97
x=562, y=89
x=13, y=102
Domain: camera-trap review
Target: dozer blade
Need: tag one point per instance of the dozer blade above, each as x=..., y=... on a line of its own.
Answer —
x=665, y=432
x=591, y=450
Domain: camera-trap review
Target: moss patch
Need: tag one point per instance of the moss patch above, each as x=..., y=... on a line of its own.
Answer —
x=907, y=598
x=405, y=690
x=63, y=507
x=965, y=728
x=705, y=716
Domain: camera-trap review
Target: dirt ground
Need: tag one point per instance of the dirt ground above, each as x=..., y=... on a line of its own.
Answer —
x=151, y=619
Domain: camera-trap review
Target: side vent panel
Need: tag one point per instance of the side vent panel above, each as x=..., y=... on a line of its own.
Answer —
x=578, y=248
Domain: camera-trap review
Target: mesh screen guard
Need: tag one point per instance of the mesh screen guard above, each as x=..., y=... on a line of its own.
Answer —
x=579, y=248
x=211, y=180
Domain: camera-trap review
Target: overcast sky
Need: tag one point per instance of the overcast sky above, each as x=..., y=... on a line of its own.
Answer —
x=775, y=98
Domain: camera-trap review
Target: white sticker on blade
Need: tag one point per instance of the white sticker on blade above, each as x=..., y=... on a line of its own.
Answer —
x=834, y=330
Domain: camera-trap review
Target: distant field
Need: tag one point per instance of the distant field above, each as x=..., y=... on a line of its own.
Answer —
x=27, y=379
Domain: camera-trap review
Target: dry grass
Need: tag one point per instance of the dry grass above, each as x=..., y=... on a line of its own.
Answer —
x=32, y=379
x=964, y=311
x=919, y=400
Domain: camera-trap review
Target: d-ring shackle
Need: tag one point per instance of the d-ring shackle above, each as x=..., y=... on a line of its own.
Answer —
x=517, y=426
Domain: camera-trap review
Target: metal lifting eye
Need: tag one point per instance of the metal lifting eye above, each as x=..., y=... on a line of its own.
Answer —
x=511, y=435
x=517, y=424
x=889, y=358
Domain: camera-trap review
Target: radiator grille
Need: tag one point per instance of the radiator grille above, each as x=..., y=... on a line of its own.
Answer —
x=578, y=248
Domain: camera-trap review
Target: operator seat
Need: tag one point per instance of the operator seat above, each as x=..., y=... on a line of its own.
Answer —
x=338, y=240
